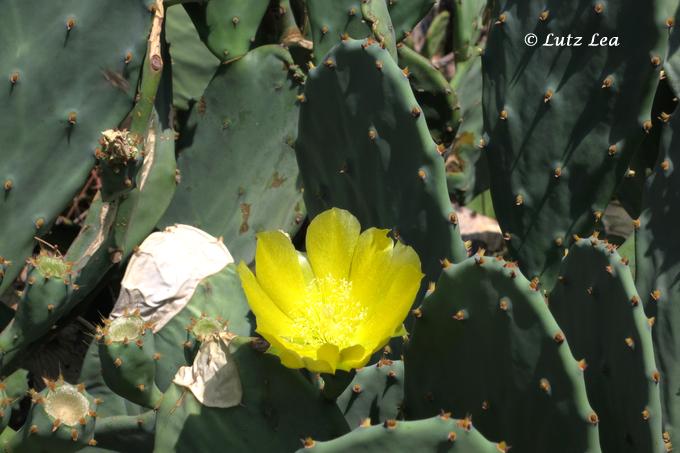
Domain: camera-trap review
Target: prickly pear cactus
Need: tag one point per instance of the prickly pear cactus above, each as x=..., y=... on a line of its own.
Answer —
x=65, y=84
x=218, y=298
x=601, y=313
x=330, y=22
x=246, y=120
x=49, y=284
x=128, y=358
x=485, y=345
x=563, y=121
x=375, y=394
x=467, y=173
x=382, y=165
x=62, y=418
x=405, y=15
x=279, y=408
x=436, y=434
x=433, y=93
x=228, y=27
x=657, y=267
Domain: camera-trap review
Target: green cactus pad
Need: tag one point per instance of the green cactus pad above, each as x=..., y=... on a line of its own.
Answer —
x=123, y=433
x=437, y=36
x=406, y=14
x=433, y=93
x=219, y=296
x=467, y=173
x=485, y=345
x=61, y=419
x=657, y=267
x=193, y=65
x=279, y=408
x=563, y=122
x=364, y=146
x=435, y=434
x=376, y=393
x=600, y=312
x=49, y=285
x=128, y=360
x=357, y=19
x=138, y=213
x=468, y=25
x=247, y=120
x=228, y=27
x=66, y=80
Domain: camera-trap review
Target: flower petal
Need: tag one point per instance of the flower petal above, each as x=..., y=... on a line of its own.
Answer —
x=326, y=359
x=268, y=315
x=307, y=271
x=289, y=357
x=353, y=357
x=403, y=277
x=331, y=239
x=371, y=260
x=278, y=270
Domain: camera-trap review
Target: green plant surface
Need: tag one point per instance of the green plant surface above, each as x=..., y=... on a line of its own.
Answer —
x=364, y=146
x=484, y=345
x=597, y=306
x=564, y=122
x=376, y=393
x=657, y=264
x=237, y=168
x=433, y=93
x=279, y=408
x=66, y=81
x=431, y=435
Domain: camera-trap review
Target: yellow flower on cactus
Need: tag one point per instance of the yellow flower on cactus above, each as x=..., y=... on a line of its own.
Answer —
x=333, y=308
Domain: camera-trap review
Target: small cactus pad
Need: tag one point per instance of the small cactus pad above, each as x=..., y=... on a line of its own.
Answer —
x=657, y=268
x=218, y=299
x=406, y=14
x=432, y=435
x=600, y=312
x=193, y=65
x=485, y=345
x=127, y=354
x=468, y=25
x=228, y=27
x=330, y=22
x=467, y=173
x=376, y=393
x=246, y=120
x=279, y=408
x=433, y=93
x=67, y=79
x=564, y=121
x=49, y=285
x=364, y=146
x=61, y=419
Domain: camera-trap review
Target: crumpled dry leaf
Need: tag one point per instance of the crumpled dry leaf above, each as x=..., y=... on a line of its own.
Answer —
x=163, y=274
x=213, y=377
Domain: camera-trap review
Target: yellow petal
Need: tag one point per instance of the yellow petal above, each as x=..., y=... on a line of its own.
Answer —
x=353, y=357
x=371, y=261
x=331, y=239
x=307, y=271
x=391, y=308
x=278, y=270
x=326, y=359
x=267, y=314
x=289, y=357
x=400, y=332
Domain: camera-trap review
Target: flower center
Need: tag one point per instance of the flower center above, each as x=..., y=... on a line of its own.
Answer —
x=329, y=314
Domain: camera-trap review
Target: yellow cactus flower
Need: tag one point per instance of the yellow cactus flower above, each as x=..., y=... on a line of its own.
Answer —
x=333, y=308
